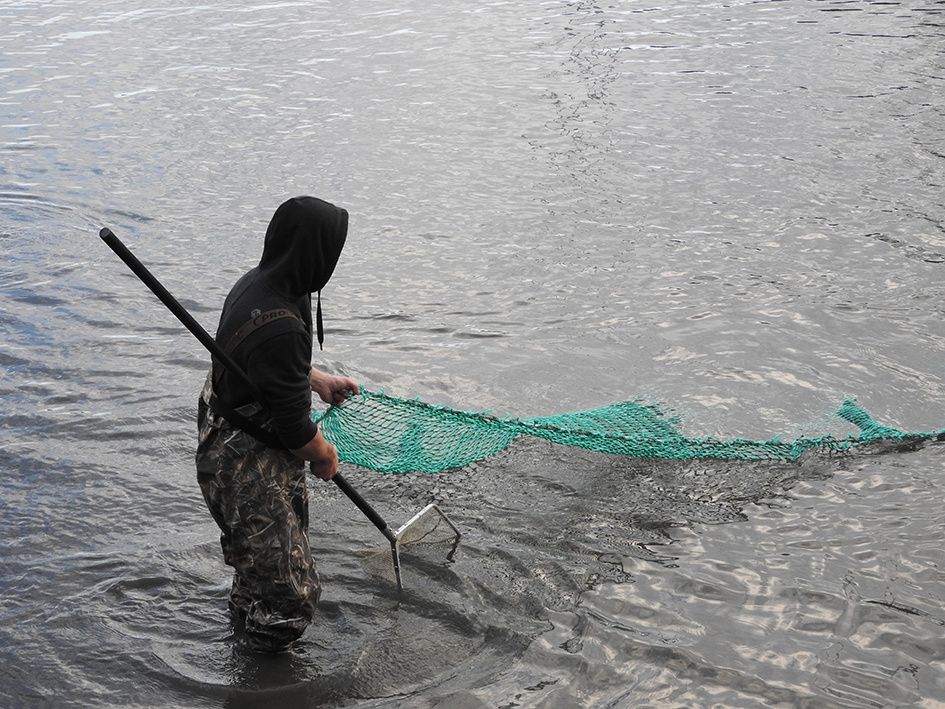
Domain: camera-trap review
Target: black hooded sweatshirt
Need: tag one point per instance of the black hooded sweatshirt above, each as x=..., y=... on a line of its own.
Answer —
x=302, y=246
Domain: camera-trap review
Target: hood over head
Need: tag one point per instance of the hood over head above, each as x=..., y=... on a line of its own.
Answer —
x=303, y=244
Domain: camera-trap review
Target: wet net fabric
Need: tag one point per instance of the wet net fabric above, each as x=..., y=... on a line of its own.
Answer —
x=427, y=527
x=394, y=435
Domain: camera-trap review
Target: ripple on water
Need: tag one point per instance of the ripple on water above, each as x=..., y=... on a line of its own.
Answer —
x=733, y=208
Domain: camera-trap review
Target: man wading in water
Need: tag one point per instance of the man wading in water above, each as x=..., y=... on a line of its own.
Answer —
x=253, y=444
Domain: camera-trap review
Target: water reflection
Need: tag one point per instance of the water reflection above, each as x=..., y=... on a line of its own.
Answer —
x=735, y=209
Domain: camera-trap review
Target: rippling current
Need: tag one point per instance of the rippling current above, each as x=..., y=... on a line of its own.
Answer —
x=735, y=210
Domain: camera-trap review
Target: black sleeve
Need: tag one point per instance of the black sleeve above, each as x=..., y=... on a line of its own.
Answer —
x=280, y=368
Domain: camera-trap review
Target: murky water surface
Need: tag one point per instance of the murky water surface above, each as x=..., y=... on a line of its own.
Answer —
x=735, y=209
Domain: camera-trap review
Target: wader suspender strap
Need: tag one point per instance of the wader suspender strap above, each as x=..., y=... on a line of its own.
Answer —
x=237, y=420
x=256, y=322
x=232, y=416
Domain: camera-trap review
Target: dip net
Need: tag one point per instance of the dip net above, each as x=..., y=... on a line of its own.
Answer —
x=394, y=435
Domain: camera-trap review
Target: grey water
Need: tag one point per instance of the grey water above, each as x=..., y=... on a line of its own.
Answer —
x=734, y=209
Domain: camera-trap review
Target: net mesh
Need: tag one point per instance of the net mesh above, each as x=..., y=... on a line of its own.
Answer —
x=429, y=526
x=428, y=536
x=394, y=435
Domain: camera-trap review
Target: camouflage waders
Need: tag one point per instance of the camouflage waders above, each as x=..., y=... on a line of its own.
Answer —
x=259, y=499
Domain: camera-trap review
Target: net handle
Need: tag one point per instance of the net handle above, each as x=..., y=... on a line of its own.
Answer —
x=363, y=505
x=377, y=521
x=187, y=320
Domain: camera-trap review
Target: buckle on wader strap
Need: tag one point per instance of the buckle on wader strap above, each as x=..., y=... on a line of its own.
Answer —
x=244, y=423
x=231, y=415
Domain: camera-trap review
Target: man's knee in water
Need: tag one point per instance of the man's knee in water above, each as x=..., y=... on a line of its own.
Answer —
x=275, y=631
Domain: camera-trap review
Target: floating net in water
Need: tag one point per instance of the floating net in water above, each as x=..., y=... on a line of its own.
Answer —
x=394, y=435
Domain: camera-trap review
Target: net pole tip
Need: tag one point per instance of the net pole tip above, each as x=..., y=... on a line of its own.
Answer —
x=395, y=556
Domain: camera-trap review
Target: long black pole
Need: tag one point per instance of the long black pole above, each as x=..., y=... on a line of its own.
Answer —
x=124, y=253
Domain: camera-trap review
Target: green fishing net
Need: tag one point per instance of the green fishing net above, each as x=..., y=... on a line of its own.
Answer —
x=394, y=435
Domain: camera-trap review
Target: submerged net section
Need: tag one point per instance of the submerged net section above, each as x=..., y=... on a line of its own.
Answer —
x=429, y=534
x=429, y=526
x=394, y=435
